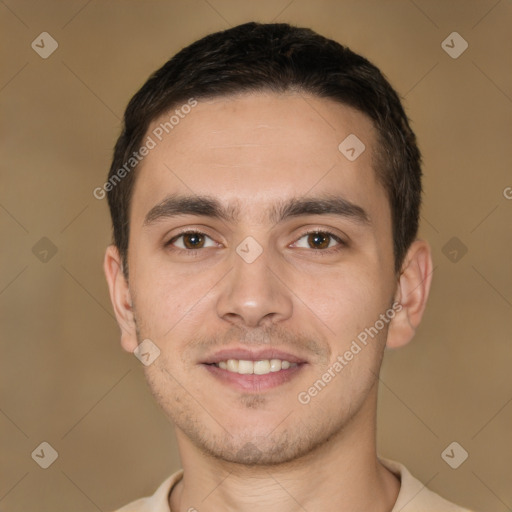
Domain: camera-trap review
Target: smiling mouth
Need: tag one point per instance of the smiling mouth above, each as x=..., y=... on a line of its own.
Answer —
x=261, y=367
x=248, y=376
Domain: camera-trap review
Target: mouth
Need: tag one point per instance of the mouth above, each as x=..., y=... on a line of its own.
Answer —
x=249, y=371
x=261, y=367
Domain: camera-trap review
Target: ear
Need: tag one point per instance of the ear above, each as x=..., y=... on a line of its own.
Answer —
x=121, y=298
x=412, y=293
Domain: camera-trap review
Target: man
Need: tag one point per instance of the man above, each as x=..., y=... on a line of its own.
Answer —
x=265, y=196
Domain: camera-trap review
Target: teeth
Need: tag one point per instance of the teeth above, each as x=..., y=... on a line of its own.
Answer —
x=262, y=367
x=245, y=367
x=275, y=365
x=232, y=365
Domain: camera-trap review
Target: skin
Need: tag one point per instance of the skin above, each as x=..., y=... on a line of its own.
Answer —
x=263, y=449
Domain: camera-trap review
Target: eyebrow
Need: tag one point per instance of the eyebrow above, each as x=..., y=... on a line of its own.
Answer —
x=208, y=206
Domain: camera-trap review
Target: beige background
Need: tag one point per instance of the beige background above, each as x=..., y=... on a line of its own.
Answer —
x=65, y=379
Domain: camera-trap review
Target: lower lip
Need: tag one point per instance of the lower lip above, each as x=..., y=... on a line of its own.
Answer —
x=252, y=382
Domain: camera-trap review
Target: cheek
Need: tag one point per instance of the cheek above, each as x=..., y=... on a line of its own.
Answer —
x=352, y=308
x=347, y=300
x=168, y=300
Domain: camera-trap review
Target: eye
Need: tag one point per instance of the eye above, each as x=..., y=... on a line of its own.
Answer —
x=320, y=240
x=191, y=240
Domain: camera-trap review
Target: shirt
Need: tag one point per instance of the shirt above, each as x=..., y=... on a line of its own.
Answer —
x=413, y=495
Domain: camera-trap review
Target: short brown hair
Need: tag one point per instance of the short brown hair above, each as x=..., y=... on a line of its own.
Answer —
x=277, y=57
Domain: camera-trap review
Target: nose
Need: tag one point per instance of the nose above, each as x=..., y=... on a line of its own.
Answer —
x=254, y=294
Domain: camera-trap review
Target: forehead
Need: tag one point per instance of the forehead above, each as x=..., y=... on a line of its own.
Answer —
x=252, y=149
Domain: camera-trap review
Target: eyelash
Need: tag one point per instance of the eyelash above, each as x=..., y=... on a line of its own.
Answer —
x=320, y=252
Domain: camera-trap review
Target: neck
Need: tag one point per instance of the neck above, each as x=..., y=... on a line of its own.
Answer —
x=344, y=471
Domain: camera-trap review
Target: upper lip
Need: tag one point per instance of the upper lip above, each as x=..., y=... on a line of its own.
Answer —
x=252, y=355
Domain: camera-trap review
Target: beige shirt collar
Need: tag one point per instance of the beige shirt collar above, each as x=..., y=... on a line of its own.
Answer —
x=413, y=495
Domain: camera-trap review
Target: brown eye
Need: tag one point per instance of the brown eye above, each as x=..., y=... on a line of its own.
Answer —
x=190, y=240
x=319, y=240
x=193, y=240
x=323, y=242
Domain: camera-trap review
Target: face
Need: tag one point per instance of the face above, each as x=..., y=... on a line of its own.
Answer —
x=290, y=259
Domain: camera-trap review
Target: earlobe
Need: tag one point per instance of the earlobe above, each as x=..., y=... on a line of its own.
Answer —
x=120, y=297
x=412, y=293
